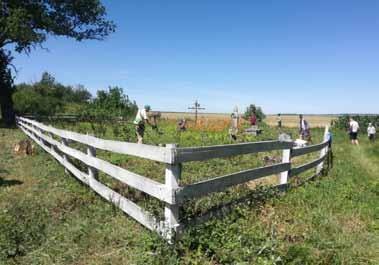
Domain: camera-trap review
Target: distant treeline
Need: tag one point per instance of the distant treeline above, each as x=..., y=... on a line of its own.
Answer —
x=48, y=97
x=343, y=121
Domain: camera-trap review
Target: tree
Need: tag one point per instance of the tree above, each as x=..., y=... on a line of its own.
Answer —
x=26, y=24
x=111, y=103
x=256, y=110
x=48, y=97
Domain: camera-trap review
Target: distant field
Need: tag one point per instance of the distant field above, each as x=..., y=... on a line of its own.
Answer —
x=293, y=120
x=288, y=120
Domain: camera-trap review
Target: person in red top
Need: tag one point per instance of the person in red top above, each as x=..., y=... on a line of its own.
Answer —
x=253, y=119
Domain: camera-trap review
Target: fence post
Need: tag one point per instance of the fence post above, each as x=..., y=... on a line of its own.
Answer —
x=286, y=158
x=323, y=151
x=172, y=176
x=92, y=172
x=65, y=143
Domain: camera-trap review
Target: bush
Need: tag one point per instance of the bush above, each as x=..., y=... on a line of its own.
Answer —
x=254, y=109
x=343, y=121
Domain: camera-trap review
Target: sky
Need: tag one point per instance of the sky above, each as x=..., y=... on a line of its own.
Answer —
x=285, y=56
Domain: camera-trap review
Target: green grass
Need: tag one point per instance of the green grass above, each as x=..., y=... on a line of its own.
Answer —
x=47, y=217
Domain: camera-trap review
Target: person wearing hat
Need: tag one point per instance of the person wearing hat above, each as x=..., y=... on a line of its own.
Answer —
x=371, y=131
x=139, y=122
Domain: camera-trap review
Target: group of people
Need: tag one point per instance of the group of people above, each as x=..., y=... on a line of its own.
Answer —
x=142, y=118
x=354, y=131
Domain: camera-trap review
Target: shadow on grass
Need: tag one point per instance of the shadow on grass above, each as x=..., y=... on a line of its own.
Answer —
x=8, y=183
x=253, y=199
x=5, y=126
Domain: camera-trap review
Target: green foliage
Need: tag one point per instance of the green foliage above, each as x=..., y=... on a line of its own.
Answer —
x=27, y=23
x=343, y=121
x=332, y=220
x=110, y=103
x=256, y=110
x=47, y=97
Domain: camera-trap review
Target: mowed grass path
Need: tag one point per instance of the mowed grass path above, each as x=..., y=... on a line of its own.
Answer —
x=47, y=217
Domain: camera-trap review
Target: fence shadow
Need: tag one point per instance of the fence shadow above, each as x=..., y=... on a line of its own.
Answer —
x=253, y=199
x=10, y=182
x=5, y=126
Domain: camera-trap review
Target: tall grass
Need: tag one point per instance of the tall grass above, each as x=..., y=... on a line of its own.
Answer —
x=48, y=217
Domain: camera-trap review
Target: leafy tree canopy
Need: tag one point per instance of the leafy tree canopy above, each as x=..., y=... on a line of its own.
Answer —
x=256, y=110
x=25, y=24
x=47, y=97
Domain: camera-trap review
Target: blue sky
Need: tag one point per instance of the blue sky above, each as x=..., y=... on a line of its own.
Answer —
x=286, y=56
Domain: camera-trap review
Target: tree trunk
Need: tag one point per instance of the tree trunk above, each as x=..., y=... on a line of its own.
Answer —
x=7, y=112
x=6, y=89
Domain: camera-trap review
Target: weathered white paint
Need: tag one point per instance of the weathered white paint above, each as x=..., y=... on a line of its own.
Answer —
x=65, y=143
x=309, y=149
x=297, y=170
x=124, y=204
x=221, y=183
x=286, y=158
x=219, y=151
x=172, y=177
x=92, y=172
x=151, y=152
x=170, y=192
x=324, y=151
x=134, y=180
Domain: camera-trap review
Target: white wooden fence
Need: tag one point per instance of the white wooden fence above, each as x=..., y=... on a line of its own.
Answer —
x=170, y=192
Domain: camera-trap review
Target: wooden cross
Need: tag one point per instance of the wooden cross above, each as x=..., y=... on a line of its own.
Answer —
x=196, y=107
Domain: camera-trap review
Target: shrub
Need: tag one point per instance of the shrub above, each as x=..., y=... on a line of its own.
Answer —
x=343, y=121
x=254, y=109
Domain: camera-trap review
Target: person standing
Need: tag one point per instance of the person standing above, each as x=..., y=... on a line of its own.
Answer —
x=139, y=122
x=353, y=130
x=253, y=119
x=371, y=132
x=304, y=129
x=182, y=125
x=279, y=121
x=233, y=131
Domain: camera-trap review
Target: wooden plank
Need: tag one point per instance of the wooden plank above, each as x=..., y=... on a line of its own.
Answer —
x=92, y=172
x=308, y=149
x=221, y=183
x=70, y=167
x=121, y=202
x=151, y=152
x=323, y=151
x=149, y=186
x=286, y=158
x=297, y=170
x=127, y=206
x=219, y=151
x=172, y=176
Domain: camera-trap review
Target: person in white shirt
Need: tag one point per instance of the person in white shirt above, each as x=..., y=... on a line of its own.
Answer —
x=353, y=130
x=139, y=122
x=371, y=132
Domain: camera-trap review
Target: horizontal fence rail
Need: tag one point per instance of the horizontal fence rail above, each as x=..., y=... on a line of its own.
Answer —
x=219, y=151
x=221, y=183
x=156, y=153
x=170, y=192
x=309, y=149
